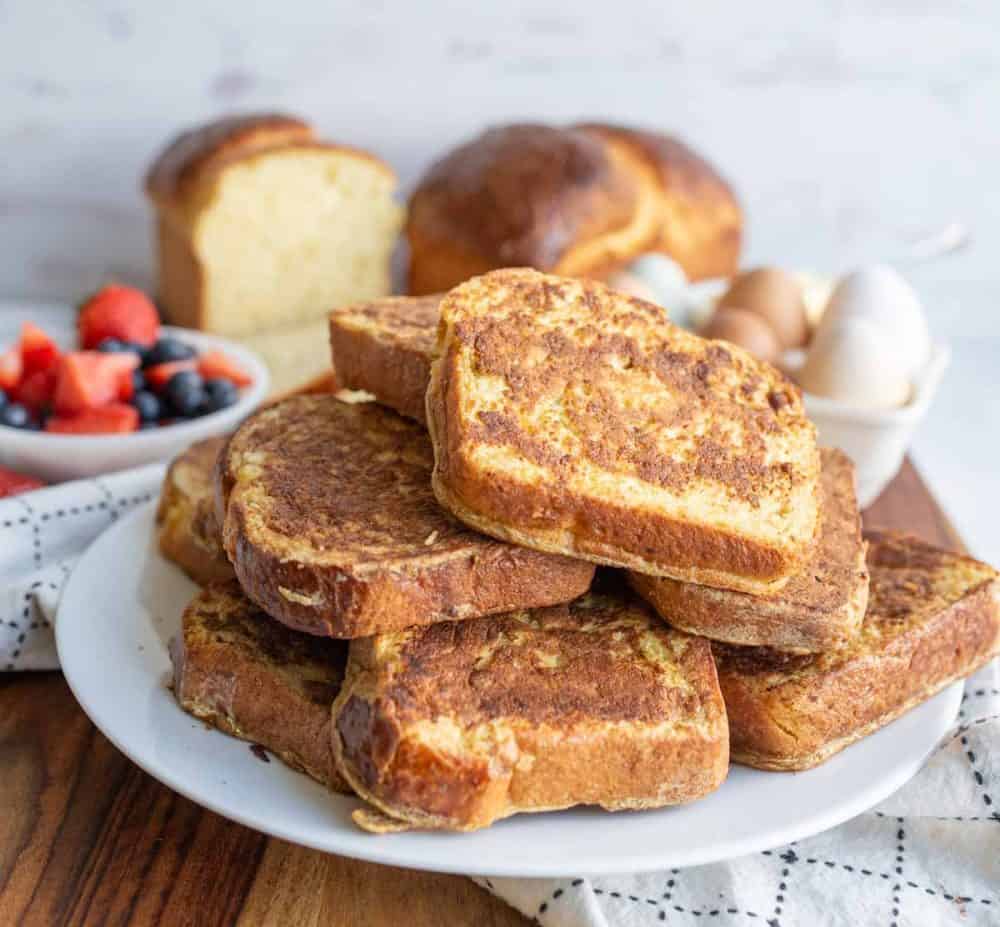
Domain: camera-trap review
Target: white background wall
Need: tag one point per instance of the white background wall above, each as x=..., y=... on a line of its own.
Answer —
x=850, y=128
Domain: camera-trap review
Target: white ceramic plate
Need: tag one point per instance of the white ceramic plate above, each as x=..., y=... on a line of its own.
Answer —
x=123, y=603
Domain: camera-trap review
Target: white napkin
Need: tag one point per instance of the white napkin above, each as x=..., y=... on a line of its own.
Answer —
x=929, y=855
x=42, y=535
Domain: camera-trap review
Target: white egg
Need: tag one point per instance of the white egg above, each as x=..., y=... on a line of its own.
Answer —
x=816, y=290
x=665, y=278
x=634, y=286
x=880, y=295
x=852, y=360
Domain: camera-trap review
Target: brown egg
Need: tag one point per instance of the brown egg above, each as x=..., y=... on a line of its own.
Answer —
x=774, y=295
x=745, y=329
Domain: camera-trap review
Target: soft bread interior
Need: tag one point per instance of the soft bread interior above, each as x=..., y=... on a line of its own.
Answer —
x=288, y=234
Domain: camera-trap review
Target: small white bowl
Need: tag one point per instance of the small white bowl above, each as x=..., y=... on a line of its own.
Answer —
x=58, y=457
x=876, y=439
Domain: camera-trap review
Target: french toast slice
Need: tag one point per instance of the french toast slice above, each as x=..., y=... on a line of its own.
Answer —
x=329, y=520
x=384, y=347
x=933, y=617
x=571, y=418
x=251, y=677
x=820, y=607
x=187, y=531
x=597, y=702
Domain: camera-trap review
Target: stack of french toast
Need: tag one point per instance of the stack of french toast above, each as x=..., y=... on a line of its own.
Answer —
x=546, y=549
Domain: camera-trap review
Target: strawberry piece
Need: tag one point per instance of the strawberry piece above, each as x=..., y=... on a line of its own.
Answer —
x=36, y=390
x=11, y=368
x=12, y=483
x=88, y=379
x=158, y=375
x=121, y=312
x=216, y=365
x=38, y=351
x=114, y=418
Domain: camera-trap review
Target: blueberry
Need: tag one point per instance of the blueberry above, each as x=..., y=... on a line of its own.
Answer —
x=138, y=381
x=14, y=415
x=147, y=405
x=3, y=398
x=184, y=394
x=220, y=394
x=147, y=426
x=166, y=350
x=111, y=346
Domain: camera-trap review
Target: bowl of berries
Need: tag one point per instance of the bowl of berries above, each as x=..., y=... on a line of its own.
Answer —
x=121, y=391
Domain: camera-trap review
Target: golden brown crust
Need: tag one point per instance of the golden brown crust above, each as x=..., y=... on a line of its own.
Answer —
x=821, y=605
x=455, y=726
x=187, y=532
x=193, y=154
x=329, y=520
x=384, y=347
x=700, y=220
x=933, y=617
x=197, y=155
x=629, y=390
x=581, y=200
x=247, y=675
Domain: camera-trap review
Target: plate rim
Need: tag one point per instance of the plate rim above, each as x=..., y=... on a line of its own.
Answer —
x=384, y=850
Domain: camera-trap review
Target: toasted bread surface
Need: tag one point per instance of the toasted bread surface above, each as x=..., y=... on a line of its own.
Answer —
x=596, y=702
x=574, y=419
x=820, y=607
x=242, y=672
x=384, y=347
x=933, y=617
x=329, y=520
x=187, y=531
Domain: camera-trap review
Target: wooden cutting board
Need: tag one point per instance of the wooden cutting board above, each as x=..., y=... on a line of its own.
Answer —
x=87, y=838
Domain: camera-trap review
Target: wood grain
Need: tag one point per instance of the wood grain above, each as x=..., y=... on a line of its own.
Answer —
x=88, y=838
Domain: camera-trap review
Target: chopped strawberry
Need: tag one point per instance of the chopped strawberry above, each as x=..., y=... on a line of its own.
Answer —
x=158, y=375
x=216, y=365
x=88, y=379
x=38, y=351
x=10, y=368
x=36, y=390
x=121, y=312
x=114, y=418
x=12, y=483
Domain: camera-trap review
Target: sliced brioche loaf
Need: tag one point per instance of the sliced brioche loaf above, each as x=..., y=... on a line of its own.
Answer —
x=262, y=225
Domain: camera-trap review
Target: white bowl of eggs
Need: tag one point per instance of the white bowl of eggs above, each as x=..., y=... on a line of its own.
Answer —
x=859, y=348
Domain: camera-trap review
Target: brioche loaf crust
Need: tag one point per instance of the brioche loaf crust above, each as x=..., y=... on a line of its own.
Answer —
x=933, y=617
x=196, y=155
x=699, y=221
x=185, y=179
x=187, y=532
x=245, y=674
x=581, y=200
x=455, y=726
x=191, y=155
x=544, y=389
x=329, y=520
x=820, y=607
x=384, y=347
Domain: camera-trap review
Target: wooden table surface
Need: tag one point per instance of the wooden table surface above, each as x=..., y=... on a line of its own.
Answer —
x=87, y=838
